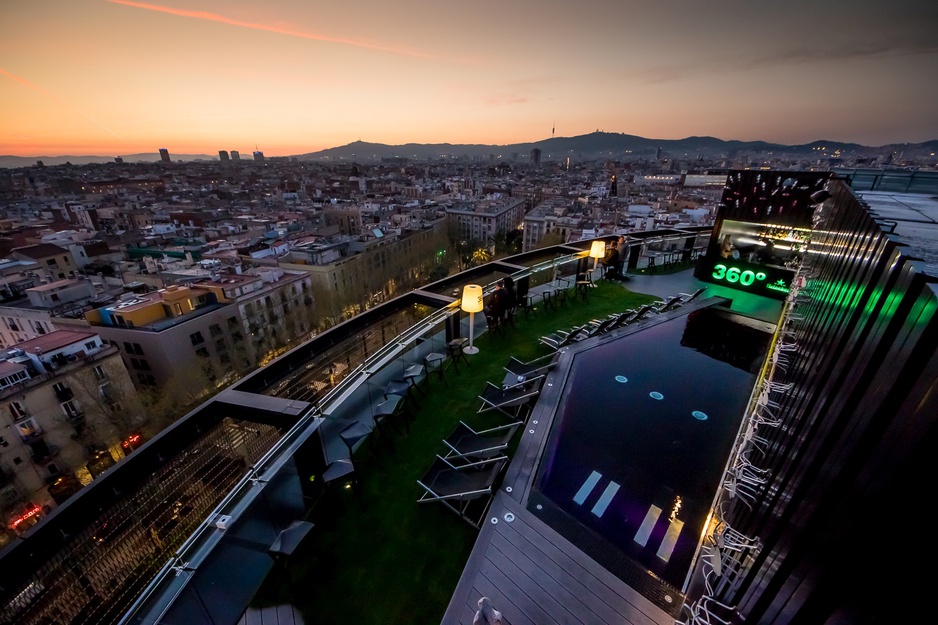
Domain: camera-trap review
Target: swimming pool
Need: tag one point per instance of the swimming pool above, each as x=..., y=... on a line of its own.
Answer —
x=640, y=438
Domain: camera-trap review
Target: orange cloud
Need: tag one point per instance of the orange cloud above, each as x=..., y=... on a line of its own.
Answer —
x=214, y=17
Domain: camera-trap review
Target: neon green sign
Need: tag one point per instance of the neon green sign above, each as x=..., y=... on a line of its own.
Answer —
x=748, y=277
x=734, y=274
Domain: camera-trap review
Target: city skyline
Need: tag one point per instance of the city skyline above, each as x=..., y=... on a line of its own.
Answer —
x=112, y=77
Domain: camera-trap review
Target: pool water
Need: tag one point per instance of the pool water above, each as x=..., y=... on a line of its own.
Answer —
x=641, y=436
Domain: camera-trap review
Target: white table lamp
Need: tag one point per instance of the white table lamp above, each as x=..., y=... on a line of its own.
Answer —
x=597, y=251
x=471, y=303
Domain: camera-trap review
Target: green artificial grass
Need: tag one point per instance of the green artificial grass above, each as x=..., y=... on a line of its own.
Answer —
x=384, y=559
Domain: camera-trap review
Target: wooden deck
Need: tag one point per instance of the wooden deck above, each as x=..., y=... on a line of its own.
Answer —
x=536, y=577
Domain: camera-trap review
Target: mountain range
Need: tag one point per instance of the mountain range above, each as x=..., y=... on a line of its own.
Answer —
x=592, y=145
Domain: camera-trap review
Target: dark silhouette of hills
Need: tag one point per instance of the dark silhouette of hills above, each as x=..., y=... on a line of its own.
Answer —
x=599, y=145
x=592, y=145
x=145, y=157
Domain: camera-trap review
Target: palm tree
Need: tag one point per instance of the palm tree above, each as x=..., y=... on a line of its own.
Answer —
x=480, y=256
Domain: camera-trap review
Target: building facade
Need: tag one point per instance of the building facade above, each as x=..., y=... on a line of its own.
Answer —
x=64, y=414
x=483, y=220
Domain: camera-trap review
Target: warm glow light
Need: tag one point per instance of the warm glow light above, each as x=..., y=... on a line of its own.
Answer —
x=598, y=249
x=471, y=303
x=472, y=298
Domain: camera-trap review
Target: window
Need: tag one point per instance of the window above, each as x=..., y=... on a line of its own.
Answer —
x=53, y=469
x=232, y=323
x=51, y=262
x=17, y=460
x=196, y=338
x=3, y=442
x=133, y=348
x=18, y=410
x=146, y=379
x=91, y=345
x=139, y=364
x=70, y=408
x=201, y=352
x=29, y=427
x=99, y=373
x=215, y=330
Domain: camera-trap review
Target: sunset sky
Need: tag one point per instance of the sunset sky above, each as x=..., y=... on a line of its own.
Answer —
x=115, y=77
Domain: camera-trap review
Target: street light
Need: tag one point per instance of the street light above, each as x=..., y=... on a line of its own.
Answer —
x=471, y=303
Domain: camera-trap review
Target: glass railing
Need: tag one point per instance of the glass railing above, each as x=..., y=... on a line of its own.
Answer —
x=335, y=378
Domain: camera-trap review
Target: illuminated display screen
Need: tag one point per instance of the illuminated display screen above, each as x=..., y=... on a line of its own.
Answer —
x=767, y=280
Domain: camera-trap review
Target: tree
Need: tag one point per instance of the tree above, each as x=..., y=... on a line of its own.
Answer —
x=480, y=256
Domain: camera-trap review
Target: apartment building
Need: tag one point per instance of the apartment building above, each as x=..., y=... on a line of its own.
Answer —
x=482, y=220
x=216, y=325
x=32, y=316
x=551, y=215
x=54, y=262
x=64, y=413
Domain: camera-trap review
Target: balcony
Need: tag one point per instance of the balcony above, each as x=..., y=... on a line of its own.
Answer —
x=31, y=436
x=64, y=394
x=76, y=419
x=44, y=454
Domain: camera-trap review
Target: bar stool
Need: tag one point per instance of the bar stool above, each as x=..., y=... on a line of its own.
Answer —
x=455, y=350
x=434, y=363
x=356, y=433
x=400, y=388
x=392, y=412
x=339, y=469
x=412, y=375
x=527, y=304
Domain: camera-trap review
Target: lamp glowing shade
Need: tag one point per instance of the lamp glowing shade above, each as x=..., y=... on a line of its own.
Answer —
x=597, y=251
x=471, y=298
x=471, y=303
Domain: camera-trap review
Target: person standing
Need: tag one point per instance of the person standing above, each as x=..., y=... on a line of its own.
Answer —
x=611, y=261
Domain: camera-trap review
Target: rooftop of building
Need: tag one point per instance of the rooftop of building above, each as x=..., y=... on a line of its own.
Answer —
x=913, y=218
x=54, y=340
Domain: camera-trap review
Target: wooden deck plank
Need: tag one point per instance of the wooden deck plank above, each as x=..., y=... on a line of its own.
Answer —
x=534, y=576
x=501, y=602
x=582, y=572
x=519, y=607
x=584, y=604
x=533, y=589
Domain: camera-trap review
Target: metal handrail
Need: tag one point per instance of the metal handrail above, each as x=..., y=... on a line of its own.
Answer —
x=199, y=544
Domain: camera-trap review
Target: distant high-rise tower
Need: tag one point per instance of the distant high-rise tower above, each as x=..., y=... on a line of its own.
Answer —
x=164, y=155
x=118, y=160
x=658, y=154
x=235, y=156
x=536, y=156
x=223, y=156
x=258, y=155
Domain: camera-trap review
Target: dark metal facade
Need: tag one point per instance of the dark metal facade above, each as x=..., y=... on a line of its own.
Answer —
x=852, y=464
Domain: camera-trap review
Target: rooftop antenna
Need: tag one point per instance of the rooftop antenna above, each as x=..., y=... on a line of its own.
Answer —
x=553, y=130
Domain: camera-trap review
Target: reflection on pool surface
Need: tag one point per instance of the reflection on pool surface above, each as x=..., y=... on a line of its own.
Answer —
x=641, y=436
